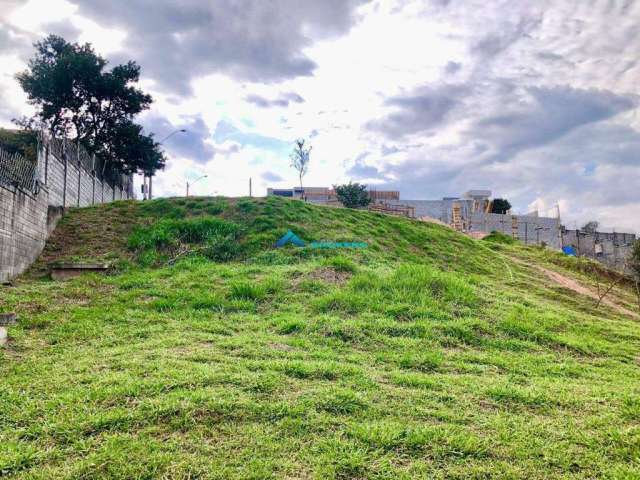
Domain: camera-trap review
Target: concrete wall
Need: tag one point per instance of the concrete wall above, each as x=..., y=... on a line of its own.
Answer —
x=611, y=249
x=27, y=218
x=439, y=209
x=529, y=229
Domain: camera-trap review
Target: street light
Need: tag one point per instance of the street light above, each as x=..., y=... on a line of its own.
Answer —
x=196, y=180
x=180, y=130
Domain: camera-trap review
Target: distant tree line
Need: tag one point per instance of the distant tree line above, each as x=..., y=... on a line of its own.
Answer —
x=77, y=97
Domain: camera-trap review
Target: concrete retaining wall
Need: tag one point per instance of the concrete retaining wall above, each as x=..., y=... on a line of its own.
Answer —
x=27, y=219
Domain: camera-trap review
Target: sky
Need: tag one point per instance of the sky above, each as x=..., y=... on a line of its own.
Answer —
x=534, y=100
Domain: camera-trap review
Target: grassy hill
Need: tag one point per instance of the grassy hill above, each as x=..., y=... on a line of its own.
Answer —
x=207, y=353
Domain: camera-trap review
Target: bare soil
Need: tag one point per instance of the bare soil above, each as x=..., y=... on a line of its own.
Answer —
x=577, y=287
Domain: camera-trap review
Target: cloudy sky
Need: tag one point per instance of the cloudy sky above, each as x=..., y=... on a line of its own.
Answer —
x=535, y=100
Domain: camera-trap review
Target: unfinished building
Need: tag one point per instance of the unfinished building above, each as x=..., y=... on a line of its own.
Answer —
x=471, y=214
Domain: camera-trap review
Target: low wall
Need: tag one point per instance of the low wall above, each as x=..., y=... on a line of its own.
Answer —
x=27, y=218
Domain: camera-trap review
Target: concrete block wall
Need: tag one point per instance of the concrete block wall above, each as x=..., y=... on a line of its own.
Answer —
x=24, y=230
x=615, y=249
x=529, y=229
x=26, y=218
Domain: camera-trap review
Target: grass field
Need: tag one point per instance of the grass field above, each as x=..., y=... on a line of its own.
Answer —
x=207, y=353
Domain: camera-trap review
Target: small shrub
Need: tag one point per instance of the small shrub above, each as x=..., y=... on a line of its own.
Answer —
x=499, y=237
x=247, y=291
x=246, y=206
x=340, y=264
x=216, y=239
x=635, y=260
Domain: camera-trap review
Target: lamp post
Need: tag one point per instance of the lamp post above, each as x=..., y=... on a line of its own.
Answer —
x=196, y=180
x=180, y=130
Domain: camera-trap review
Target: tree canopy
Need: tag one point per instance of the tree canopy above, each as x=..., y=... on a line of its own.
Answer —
x=500, y=205
x=353, y=195
x=77, y=97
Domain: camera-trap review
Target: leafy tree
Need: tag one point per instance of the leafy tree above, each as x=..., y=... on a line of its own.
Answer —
x=590, y=227
x=353, y=195
x=300, y=158
x=132, y=150
x=77, y=97
x=500, y=205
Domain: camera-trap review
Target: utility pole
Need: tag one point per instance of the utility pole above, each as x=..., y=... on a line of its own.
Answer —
x=250, y=192
x=192, y=183
x=149, y=189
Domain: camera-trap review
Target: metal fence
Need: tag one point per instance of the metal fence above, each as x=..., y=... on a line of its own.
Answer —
x=68, y=151
x=18, y=172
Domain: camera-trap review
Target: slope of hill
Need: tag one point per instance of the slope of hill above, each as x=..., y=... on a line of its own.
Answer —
x=207, y=353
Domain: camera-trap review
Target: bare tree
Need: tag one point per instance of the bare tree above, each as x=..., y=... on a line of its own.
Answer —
x=300, y=158
x=612, y=282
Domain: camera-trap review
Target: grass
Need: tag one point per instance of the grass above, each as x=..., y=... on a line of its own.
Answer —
x=418, y=357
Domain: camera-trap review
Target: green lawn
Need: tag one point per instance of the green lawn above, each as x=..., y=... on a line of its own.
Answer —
x=427, y=355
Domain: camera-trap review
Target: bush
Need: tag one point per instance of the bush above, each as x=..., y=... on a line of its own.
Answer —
x=353, y=195
x=217, y=239
x=499, y=237
x=340, y=264
x=635, y=260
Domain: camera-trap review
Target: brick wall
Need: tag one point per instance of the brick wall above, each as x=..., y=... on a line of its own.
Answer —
x=26, y=219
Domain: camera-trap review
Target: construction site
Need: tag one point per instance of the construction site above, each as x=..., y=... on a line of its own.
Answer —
x=471, y=213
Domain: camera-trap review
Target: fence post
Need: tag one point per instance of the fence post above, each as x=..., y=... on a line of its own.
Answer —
x=93, y=179
x=79, y=171
x=64, y=182
x=46, y=164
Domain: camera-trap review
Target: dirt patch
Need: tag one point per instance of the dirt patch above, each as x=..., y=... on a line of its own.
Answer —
x=330, y=275
x=577, y=287
x=281, y=346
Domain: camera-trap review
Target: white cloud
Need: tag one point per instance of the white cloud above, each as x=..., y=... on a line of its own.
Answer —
x=531, y=99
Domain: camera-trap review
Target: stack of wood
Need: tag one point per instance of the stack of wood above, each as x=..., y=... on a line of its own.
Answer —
x=399, y=210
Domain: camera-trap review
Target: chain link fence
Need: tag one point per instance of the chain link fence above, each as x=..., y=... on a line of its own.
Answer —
x=18, y=172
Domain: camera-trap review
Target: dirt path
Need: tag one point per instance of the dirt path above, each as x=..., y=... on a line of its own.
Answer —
x=577, y=287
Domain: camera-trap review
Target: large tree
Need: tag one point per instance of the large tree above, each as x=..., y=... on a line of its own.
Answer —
x=77, y=97
x=132, y=150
